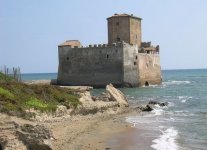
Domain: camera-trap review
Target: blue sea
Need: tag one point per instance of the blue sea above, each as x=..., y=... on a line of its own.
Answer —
x=182, y=125
x=38, y=76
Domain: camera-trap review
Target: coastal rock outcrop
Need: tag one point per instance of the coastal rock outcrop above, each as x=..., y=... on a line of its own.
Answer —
x=34, y=137
x=161, y=104
x=111, y=101
x=151, y=105
x=23, y=136
x=147, y=108
x=117, y=95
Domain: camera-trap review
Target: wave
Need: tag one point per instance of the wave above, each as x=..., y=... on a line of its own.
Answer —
x=183, y=99
x=180, y=113
x=166, y=141
x=158, y=112
x=175, y=82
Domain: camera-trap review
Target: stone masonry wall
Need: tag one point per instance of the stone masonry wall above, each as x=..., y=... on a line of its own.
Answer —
x=118, y=27
x=135, y=32
x=120, y=65
x=95, y=66
x=149, y=69
x=130, y=65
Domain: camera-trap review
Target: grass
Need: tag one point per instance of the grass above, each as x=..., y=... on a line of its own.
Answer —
x=4, y=77
x=6, y=93
x=16, y=98
x=36, y=103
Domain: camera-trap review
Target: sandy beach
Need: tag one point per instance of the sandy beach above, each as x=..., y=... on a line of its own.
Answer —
x=90, y=132
x=98, y=132
x=93, y=132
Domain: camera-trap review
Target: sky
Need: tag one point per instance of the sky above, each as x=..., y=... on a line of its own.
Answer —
x=30, y=31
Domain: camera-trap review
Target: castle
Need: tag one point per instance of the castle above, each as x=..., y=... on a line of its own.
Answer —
x=124, y=61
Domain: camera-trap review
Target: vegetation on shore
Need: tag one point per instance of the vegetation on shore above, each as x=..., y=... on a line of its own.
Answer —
x=17, y=97
x=5, y=77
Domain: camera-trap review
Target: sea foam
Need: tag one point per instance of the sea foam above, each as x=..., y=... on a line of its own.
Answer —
x=175, y=82
x=166, y=141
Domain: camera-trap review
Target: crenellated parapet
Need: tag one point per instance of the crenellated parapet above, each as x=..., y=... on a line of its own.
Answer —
x=91, y=46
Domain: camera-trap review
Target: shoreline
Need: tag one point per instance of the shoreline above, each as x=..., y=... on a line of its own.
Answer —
x=77, y=132
x=89, y=132
x=99, y=122
x=66, y=127
x=101, y=131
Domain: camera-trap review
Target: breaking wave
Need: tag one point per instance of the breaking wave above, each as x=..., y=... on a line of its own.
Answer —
x=167, y=140
x=174, y=82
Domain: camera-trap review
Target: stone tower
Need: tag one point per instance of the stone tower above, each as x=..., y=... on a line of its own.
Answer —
x=124, y=27
x=130, y=62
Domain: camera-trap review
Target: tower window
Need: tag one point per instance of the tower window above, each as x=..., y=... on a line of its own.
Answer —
x=107, y=56
x=136, y=57
x=135, y=63
x=67, y=58
x=118, y=39
x=136, y=36
x=117, y=23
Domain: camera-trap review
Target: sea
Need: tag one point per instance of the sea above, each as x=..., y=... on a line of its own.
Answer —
x=181, y=125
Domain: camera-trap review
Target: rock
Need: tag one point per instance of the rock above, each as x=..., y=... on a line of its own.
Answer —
x=78, y=88
x=86, y=98
x=108, y=102
x=147, y=108
x=163, y=104
x=103, y=97
x=23, y=137
x=61, y=111
x=153, y=102
x=33, y=136
x=117, y=95
x=158, y=103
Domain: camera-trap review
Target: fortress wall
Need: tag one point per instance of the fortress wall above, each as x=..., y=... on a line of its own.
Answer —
x=95, y=66
x=149, y=69
x=130, y=65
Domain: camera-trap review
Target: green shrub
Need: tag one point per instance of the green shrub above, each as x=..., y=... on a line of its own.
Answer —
x=4, y=77
x=16, y=98
x=6, y=93
x=39, y=104
x=35, y=103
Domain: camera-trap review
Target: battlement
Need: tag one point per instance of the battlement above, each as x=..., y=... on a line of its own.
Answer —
x=117, y=44
x=146, y=47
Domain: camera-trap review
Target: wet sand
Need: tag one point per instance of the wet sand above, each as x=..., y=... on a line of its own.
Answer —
x=130, y=139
